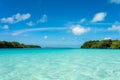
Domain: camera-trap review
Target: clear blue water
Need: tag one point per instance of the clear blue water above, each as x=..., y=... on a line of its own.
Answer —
x=59, y=64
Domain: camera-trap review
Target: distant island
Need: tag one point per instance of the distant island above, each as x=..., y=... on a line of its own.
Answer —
x=5, y=44
x=93, y=44
x=102, y=44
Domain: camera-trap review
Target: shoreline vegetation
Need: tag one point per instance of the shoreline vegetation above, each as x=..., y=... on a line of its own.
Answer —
x=102, y=44
x=6, y=44
x=93, y=44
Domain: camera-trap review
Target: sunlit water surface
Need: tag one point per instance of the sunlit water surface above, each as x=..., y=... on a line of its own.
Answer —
x=59, y=64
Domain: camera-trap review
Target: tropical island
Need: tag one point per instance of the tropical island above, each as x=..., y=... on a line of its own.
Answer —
x=6, y=44
x=94, y=44
x=102, y=44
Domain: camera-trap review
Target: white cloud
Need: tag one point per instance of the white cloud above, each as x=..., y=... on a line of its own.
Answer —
x=82, y=20
x=115, y=1
x=15, y=18
x=78, y=29
x=4, y=27
x=36, y=29
x=43, y=19
x=30, y=23
x=107, y=38
x=7, y=20
x=45, y=37
x=114, y=28
x=99, y=17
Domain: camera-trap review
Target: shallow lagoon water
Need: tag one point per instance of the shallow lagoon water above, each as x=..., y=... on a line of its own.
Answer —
x=59, y=64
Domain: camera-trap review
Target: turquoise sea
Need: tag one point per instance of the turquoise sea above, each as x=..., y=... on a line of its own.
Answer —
x=59, y=64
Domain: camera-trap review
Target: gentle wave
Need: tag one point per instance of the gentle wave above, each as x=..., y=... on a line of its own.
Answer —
x=59, y=64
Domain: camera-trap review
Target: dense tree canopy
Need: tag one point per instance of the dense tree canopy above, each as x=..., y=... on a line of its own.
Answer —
x=5, y=44
x=103, y=44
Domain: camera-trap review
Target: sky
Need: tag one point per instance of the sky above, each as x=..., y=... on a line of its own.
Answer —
x=59, y=23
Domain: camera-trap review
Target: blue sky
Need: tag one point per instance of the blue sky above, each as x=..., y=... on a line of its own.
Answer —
x=59, y=23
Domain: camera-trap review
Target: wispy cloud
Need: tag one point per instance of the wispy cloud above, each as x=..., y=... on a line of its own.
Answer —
x=79, y=30
x=115, y=27
x=99, y=17
x=4, y=27
x=82, y=20
x=15, y=33
x=115, y=1
x=16, y=18
x=43, y=19
x=107, y=38
x=30, y=23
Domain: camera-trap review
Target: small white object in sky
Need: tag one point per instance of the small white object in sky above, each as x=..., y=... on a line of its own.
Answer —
x=45, y=37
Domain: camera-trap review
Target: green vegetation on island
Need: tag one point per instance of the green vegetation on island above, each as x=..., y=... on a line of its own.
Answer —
x=103, y=44
x=5, y=44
